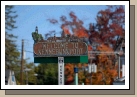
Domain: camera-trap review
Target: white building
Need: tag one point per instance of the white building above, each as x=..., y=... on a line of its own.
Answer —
x=10, y=77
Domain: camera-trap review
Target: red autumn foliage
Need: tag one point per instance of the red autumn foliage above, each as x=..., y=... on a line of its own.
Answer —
x=66, y=30
x=110, y=23
x=107, y=33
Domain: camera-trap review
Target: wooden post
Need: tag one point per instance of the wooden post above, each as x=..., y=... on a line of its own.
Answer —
x=22, y=62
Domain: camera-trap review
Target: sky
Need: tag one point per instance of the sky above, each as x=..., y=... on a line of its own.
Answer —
x=30, y=16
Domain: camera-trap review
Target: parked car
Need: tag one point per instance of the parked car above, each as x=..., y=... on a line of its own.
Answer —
x=120, y=81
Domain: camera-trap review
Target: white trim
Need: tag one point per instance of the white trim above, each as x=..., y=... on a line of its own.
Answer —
x=126, y=3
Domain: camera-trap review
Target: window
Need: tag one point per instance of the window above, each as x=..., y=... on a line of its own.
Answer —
x=13, y=78
x=122, y=60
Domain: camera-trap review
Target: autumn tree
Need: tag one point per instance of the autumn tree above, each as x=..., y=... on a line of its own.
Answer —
x=108, y=33
x=109, y=27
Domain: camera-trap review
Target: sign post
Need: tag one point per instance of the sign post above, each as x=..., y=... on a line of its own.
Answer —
x=60, y=70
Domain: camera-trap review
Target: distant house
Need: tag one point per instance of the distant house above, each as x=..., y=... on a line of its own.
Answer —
x=10, y=77
x=121, y=81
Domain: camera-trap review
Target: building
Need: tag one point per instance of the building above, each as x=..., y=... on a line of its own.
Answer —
x=10, y=77
x=121, y=81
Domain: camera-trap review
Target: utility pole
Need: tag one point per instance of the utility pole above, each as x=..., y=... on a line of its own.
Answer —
x=26, y=77
x=22, y=63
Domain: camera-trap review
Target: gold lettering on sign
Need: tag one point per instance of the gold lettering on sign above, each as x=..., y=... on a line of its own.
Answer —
x=39, y=52
x=44, y=46
x=76, y=45
x=66, y=46
x=59, y=52
x=55, y=45
x=60, y=48
x=79, y=51
x=65, y=52
x=50, y=51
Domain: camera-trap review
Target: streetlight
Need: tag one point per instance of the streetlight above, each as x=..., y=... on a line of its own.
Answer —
x=35, y=74
x=26, y=70
x=84, y=69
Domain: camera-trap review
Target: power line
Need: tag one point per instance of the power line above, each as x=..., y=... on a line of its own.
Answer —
x=27, y=51
x=20, y=46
